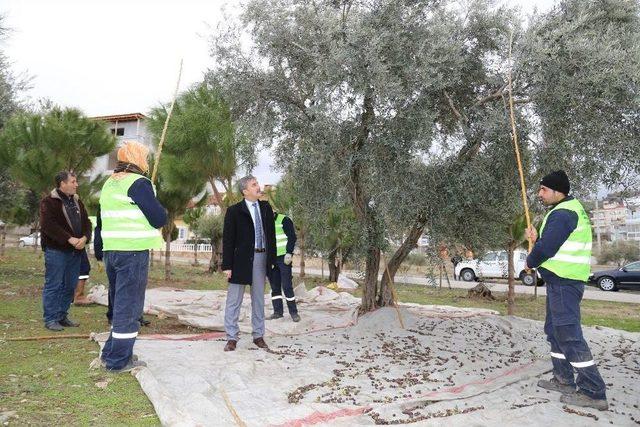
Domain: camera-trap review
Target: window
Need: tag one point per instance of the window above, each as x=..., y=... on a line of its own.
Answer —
x=502, y=256
x=117, y=132
x=634, y=266
x=491, y=256
x=182, y=233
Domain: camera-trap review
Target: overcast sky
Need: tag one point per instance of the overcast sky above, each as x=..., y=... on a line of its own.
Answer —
x=116, y=56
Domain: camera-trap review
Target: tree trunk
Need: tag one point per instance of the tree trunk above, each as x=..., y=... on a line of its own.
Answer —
x=301, y=246
x=212, y=261
x=3, y=239
x=167, y=252
x=334, y=268
x=385, y=296
x=364, y=212
x=370, y=280
x=218, y=197
x=167, y=261
x=195, y=252
x=35, y=241
x=511, y=294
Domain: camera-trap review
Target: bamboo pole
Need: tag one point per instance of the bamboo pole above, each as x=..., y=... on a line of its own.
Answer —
x=49, y=337
x=516, y=148
x=394, y=296
x=231, y=409
x=164, y=129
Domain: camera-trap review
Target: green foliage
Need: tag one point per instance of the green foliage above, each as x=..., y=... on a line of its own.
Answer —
x=581, y=64
x=34, y=147
x=619, y=252
x=192, y=216
x=202, y=135
x=211, y=226
x=89, y=190
x=399, y=109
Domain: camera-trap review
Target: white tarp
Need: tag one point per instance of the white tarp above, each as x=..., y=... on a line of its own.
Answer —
x=447, y=366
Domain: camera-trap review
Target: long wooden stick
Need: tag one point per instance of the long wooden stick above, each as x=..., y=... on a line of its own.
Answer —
x=49, y=337
x=164, y=129
x=516, y=147
x=394, y=296
x=231, y=409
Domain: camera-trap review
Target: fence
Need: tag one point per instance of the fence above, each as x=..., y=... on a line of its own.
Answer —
x=190, y=247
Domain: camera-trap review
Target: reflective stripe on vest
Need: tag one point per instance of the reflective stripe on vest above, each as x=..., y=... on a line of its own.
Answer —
x=573, y=259
x=124, y=226
x=281, y=236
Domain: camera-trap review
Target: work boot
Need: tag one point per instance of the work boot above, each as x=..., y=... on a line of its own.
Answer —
x=78, y=295
x=230, y=346
x=54, y=326
x=131, y=365
x=274, y=316
x=69, y=323
x=554, y=385
x=581, y=399
x=295, y=317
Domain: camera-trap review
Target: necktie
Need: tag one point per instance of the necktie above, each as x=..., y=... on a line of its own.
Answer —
x=258, y=226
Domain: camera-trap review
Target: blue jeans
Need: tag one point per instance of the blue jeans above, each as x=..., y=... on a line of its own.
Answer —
x=61, y=271
x=127, y=272
x=280, y=279
x=569, y=350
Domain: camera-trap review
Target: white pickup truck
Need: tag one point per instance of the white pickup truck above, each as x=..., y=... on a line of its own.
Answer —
x=493, y=265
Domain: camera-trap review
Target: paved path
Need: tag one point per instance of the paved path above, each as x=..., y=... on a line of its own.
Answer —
x=592, y=293
x=589, y=293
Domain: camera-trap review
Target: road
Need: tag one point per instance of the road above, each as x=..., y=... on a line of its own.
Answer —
x=589, y=293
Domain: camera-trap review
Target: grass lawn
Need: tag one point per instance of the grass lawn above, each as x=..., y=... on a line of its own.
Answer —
x=48, y=382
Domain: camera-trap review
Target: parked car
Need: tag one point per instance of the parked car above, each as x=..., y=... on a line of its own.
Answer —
x=494, y=265
x=627, y=277
x=29, y=240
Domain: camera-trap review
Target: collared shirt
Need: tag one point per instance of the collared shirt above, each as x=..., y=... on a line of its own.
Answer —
x=72, y=210
x=252, y=212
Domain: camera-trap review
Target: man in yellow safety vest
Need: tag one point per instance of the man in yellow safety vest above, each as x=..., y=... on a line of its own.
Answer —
x=562, y=255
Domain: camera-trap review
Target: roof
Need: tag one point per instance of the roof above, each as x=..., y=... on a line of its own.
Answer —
x=131, y=117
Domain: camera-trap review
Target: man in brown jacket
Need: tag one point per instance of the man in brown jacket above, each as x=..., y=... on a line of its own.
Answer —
x=65, y=230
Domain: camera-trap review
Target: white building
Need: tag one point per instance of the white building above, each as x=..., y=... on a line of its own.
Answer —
x=616, y=221
x=124, y=127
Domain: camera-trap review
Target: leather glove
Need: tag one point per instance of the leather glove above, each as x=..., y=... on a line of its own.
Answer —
x=288, y=258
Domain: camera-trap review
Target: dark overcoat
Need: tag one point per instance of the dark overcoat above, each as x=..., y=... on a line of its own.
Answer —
x=238, y=241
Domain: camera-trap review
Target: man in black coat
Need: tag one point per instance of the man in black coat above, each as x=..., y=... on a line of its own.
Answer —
x=248, y=252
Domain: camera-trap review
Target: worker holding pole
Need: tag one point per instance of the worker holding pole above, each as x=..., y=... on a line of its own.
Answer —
x=562, y=255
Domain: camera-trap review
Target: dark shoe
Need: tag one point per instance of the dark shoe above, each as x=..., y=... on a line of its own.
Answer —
x=54, y=326
x=231, y=345
x=554, y=385
x=144, y=322
x=260, y=343
x=133, y=358
x=274, y=316
x=581, y=399
x=131, y=364
x=69, y=323
x=295, y=317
